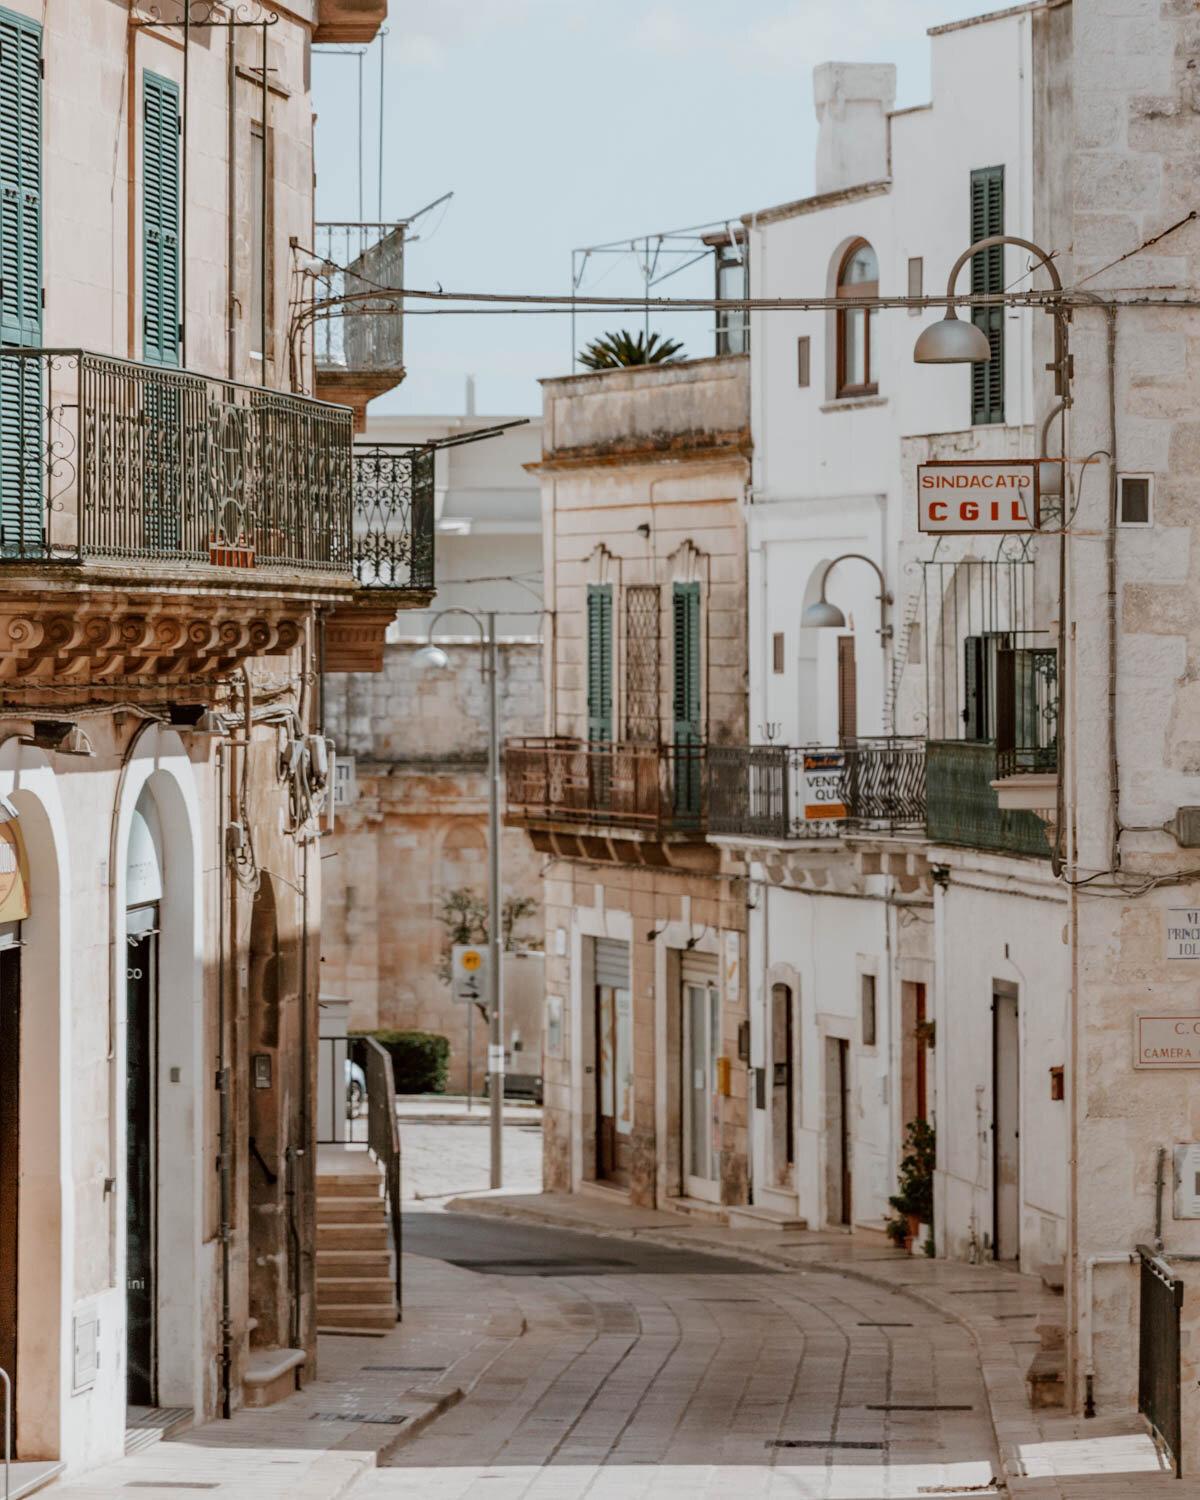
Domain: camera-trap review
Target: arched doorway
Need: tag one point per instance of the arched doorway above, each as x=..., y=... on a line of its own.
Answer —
x=143, y=895
x=14, y=907
x=271, y=1263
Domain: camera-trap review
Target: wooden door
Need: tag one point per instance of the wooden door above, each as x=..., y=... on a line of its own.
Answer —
x=140, y=1165
x=847, y=691
x=1006, y=1125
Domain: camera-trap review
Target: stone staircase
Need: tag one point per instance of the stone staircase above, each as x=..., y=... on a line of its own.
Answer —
x=356, y=1278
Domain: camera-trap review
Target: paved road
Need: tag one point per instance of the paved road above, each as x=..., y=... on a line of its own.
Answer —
x=654, y=1372
x=443, y=1160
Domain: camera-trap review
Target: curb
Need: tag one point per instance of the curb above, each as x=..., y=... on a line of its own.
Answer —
x=1004, y=1386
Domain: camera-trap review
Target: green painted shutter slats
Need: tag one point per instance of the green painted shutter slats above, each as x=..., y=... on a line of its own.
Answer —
x=599, y=662
x=20, y=284
x=160, y=220
x=987, y=275
x=20, y=180
x=686, y=638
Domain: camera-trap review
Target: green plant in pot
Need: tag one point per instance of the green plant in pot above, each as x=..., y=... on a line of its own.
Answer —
x=914, y=1200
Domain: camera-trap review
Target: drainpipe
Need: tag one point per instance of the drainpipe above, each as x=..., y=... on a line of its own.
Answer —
x=224, y=1164
x=231, y=205
x=1111, y=558
x=1089, y=1365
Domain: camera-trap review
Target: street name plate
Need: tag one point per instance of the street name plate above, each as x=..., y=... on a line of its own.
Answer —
x=1183, y=932
x=1166, y=1041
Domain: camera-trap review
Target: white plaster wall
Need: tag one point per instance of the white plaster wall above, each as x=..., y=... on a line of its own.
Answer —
x=824, y=939
x=1000, y=919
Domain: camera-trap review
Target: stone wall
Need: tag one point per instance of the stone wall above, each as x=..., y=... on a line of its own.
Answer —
x=417, y=830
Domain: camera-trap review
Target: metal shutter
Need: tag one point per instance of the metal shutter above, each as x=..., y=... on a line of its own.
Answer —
x=698, y=968
x=599, y=662
x=160, y=220
x=987, y=275
x=612, y=963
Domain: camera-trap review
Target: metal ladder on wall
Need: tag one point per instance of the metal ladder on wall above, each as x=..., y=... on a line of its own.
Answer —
x=900, y=658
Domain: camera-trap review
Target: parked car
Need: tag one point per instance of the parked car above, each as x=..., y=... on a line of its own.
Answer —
x=356, y=1089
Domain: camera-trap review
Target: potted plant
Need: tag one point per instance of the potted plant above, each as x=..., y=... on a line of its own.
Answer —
x=914, y=1200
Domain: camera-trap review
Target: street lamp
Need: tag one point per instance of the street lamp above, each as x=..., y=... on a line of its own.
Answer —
x=431, y=658
x=953, y=342
x=823, y=615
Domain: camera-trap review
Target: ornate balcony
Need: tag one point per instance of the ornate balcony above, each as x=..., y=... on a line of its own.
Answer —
x=358, y=347
x=785, y=794
x=393, y=551
x=650, y=791
x=157, y=522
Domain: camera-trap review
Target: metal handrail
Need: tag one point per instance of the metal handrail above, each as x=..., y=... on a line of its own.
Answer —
x=383, y=1140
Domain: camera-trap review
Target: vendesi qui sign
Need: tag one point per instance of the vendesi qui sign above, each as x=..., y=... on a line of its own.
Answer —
x=977, y=496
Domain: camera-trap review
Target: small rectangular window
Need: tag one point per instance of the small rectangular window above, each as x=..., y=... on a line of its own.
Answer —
x=916, y=281
x=803, y=346
x=867, y=1005
x=1135, y=500
x=777, y=651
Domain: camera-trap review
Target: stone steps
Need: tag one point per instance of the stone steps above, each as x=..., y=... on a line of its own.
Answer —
x=356, y=1288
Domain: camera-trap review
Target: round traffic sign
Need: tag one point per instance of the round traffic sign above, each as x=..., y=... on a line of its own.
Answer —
x=471, y=960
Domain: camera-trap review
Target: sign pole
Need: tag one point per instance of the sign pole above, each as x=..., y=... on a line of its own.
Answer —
x=494, y=988
x=470, y=1041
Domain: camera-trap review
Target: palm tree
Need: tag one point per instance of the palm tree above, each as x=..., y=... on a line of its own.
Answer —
x=614, y=351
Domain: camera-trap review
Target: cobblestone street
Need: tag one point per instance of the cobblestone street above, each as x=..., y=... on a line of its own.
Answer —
x=647, y=1371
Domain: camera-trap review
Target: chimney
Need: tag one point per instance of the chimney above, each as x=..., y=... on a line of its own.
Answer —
x=852, y=102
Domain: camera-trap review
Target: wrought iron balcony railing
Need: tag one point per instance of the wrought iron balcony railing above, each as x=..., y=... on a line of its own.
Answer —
x=794, y=793
x=657, y=789
x=962, y=806
x=353, y=336
x=393, y=516
x=103, y=460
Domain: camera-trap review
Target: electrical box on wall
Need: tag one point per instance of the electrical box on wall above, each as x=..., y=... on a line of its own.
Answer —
x=1187, y=1182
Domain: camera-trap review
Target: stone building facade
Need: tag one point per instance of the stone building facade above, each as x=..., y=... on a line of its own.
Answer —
x=643, y=475
x=175, y=517
x=416, y=831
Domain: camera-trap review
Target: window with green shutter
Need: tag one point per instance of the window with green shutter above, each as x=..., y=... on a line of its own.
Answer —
x=599, y=662
x=160, y=220
x=987, y=275
x=688, y=729
x=20, y=284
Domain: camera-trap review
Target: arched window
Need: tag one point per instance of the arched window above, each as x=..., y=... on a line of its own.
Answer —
x=858, y=277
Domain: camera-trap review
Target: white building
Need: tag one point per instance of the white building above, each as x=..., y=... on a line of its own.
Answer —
x=898, y=974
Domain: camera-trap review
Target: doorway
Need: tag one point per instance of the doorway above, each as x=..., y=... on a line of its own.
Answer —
x=837, y=1130
x=1006, y=1121
x=10, y=1160
x=141, y=1164
x=783, y=1093
x=271, y=1270
x=914, y=1052
x=701, y=1120
x=614, y=1062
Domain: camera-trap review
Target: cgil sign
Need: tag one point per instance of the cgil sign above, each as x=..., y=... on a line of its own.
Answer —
x=977, y=496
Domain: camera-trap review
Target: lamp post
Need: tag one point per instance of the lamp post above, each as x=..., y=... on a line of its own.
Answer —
x=823, y=615
x=953, y=342
x=433, y=658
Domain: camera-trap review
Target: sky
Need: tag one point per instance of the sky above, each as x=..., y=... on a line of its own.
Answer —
x=559, y=124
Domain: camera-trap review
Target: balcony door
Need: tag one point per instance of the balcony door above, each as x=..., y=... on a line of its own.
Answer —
x=686, y=696
x=701, y=1105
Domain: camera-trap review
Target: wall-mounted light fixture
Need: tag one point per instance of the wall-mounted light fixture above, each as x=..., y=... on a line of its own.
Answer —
x=825, y=616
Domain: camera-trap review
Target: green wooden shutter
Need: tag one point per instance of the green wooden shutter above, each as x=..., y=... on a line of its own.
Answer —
x=20, y=284
x=599, y=657
x=987, y=275
x=686, y=605
x=160, y=220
